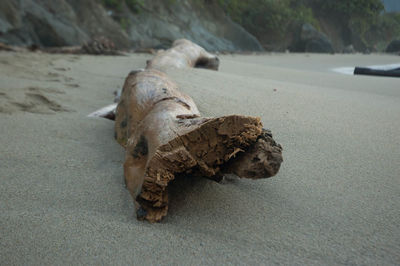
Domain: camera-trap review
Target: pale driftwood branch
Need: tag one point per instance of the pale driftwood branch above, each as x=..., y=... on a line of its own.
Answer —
x=164, y=134
x=184, y=54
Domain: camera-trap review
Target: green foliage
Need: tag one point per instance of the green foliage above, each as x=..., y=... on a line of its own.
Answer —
x=266, y=16
x=124, y=22
x=274, y=18
x=277, y=14
x=303, y=14
x=113, y=4
x=388, y=25
x=134, y=5
x=385, y=29
x=352, y=8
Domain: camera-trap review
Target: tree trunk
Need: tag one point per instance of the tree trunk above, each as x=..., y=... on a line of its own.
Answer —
x=164, y=134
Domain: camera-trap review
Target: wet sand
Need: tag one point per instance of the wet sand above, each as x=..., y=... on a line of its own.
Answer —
x=334, y=201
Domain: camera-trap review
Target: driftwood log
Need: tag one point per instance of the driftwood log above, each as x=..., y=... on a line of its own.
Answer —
x=5, y=47
x=184, y=54
x=165, y=135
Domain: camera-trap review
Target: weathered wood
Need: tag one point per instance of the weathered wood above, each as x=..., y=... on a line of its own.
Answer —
x=261, y=160
x=164, y=135
x=96, y=46
x=184, y=53
x=5, y=47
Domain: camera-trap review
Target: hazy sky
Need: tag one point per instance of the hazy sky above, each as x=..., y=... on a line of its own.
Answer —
x=392, y=5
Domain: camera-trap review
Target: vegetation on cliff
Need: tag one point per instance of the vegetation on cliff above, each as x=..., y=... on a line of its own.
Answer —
x=133, y=5
x=357, y=21
x=266, y=15
x=276, y=23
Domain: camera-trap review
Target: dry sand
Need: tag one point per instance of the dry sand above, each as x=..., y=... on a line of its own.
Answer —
x=335, y=201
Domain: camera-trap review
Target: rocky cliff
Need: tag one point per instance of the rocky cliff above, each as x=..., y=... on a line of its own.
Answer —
x=156, y=25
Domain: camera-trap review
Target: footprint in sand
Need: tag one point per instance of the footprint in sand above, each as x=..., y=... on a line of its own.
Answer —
x=32, y=100
x=68, y=80
x=62, y=68
x=55, y=77
x=45, y=90
x=73, y=85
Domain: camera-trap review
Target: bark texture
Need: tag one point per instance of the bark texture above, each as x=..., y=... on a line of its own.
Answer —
x=5, y=47
x=165, y=135
x=96, y=46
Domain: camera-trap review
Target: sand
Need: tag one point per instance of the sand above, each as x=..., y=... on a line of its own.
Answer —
x=335, y=200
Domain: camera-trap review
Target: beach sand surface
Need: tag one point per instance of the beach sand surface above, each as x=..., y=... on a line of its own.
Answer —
x=335, y=201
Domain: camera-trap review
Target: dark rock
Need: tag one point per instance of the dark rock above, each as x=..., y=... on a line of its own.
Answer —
x=51, y=23
x=393, y=47
x=308, y=32
x=94, y=21
x=349, y=49
x=318, y=46
x=310, y=40
x=162, y=22
x=56, y=23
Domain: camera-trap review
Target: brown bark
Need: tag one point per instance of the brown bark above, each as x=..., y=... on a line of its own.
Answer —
x=5, y=47
x=164, y=135
x=96, y=46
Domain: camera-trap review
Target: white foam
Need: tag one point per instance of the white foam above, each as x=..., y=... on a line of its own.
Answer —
x=344, y=70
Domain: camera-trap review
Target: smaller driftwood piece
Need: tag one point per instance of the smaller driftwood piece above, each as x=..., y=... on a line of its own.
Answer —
x=5, y=47
x=165, y=135
x=96, y=46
